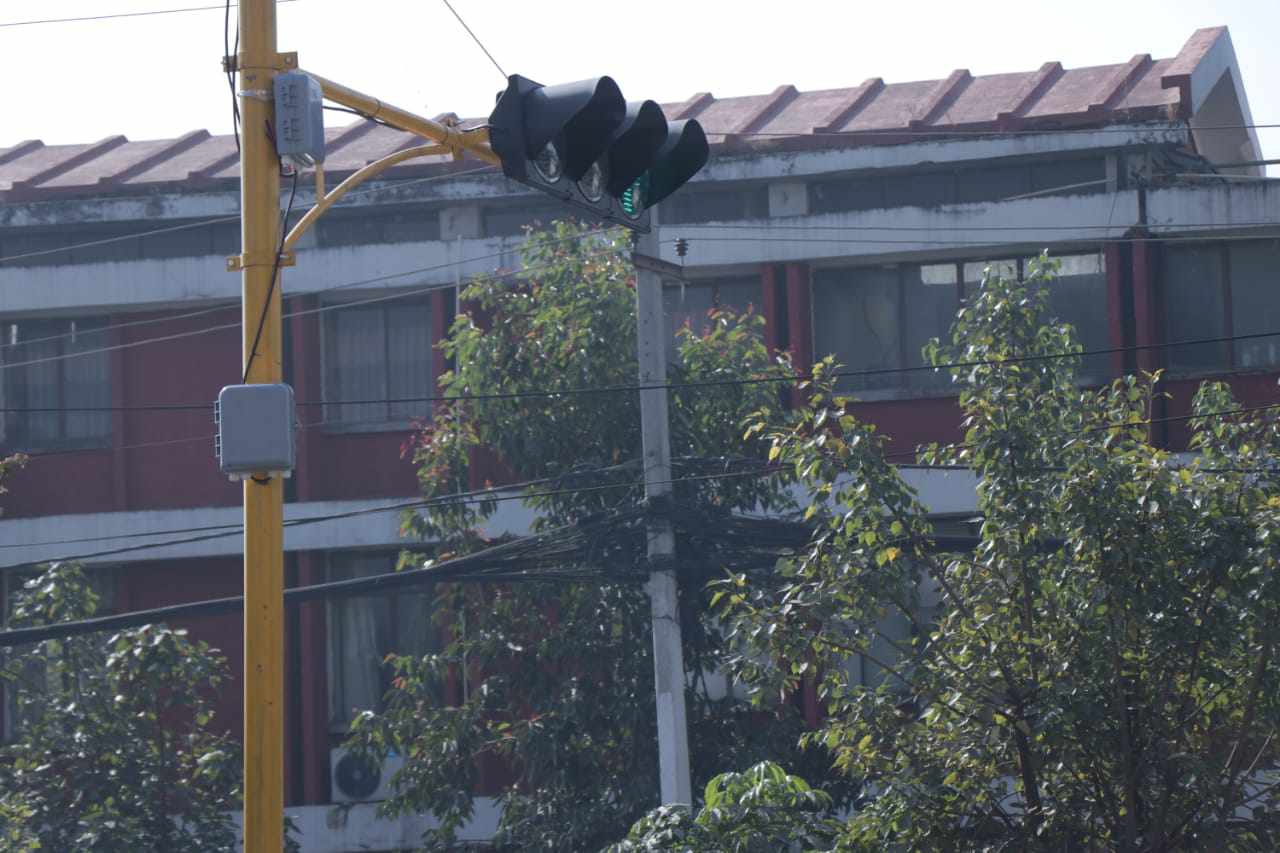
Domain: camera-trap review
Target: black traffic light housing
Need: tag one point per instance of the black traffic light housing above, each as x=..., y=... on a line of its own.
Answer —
x=582, y=143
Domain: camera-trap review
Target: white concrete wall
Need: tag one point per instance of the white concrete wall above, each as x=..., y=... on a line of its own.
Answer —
x=357, y=828
x=44, y=538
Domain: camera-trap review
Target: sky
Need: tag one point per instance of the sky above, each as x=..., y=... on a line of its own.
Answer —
x=159, y=76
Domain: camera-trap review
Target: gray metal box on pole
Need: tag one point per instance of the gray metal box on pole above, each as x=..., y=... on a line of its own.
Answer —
x=299, y=118
x=256, y=430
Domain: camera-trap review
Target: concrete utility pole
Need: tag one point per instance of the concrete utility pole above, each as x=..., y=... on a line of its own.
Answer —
x=655, y=430
x=263, y=496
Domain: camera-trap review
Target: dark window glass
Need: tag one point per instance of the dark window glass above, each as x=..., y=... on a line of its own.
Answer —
x=57, y=365
x=1078, y=296
x=993, y=184
x=383, y=226
x=849, y=194
x=17, y=243
x=363, y=630
x=690, y=305
x=717, y=205
x=1065, y=174
x=927, y=189
x=931, y=299
x=511, y=221
x=1193, y=306
x=378, y=353
x=1255, y=301
x=856, y=319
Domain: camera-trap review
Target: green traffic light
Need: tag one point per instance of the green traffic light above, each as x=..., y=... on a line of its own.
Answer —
x=632, y=199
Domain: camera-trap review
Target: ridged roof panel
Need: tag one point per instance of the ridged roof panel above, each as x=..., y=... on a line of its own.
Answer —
x=1049, y=97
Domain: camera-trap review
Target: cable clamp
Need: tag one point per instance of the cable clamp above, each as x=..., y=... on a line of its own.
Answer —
x=287, y=61
x=236, y=263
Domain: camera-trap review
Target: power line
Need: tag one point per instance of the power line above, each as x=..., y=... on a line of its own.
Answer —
x=121, y=15
x=958, y=243
x=507, y=492
x=475, y=38
x=500, y=493
x=671, y=386
x=772, y=226
x=337, y=306
x=465, y=568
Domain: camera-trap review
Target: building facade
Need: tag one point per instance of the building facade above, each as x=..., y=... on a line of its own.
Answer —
x=854, y=220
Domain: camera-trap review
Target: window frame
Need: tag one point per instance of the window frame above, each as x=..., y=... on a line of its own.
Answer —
x=902, y=390
x=328, y=343
x=9, y=438
x=1228, y=351
x=344, y=559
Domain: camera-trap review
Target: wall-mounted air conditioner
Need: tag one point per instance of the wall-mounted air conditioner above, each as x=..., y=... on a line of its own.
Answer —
x=355, y=780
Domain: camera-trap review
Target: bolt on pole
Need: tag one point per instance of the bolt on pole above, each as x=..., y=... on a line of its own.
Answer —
x=257, y=64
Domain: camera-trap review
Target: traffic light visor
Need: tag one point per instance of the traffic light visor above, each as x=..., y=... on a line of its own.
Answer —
x=681, y=156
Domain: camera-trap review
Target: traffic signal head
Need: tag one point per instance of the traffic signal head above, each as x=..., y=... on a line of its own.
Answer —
x=582, y=143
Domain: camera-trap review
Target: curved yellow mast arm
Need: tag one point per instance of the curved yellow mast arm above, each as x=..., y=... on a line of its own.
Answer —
x=354, y=180
x=474, y=142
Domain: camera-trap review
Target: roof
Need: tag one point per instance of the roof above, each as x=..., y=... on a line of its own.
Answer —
x=873, y=112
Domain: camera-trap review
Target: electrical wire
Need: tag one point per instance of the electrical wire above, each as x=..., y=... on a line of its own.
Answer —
x=508, y=492
x=475, y=38
x=120, y=15
x=325, y=308
x=782, y=226
x=469, y=567
x=231, y=62
x=501, y=493
x=677, y=386
x=275, y=275
x=958, y=243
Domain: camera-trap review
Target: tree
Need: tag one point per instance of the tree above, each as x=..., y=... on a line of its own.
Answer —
x=559, y=674
x=8, y=465
x=761, y=810
x=112, y=749
x=1099, y=671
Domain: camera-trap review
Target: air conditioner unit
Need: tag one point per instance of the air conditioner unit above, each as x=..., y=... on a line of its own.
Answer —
x=355, y=780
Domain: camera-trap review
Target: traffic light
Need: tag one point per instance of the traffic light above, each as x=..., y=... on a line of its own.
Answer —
x=584, y=144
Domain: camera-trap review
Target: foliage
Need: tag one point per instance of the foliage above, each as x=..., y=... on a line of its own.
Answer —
x=1099, y=672
x=8, y=465
x=761, y=810
x=558, y=711
x=111, y=749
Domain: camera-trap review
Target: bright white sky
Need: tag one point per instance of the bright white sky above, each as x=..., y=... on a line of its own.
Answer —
x=156, y=77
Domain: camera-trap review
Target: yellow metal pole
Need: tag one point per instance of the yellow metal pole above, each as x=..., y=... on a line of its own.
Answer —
x=263, y=496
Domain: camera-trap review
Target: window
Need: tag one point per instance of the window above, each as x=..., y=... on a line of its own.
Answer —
x=716, y=205
x=1078, y=295
x=376, y=355
x=880, y=318
x=690, y=305
x=1222, y=290
x=56, y=364
x=398, y=225
x=363, y=630
x=511, y=221
x=992, y=181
